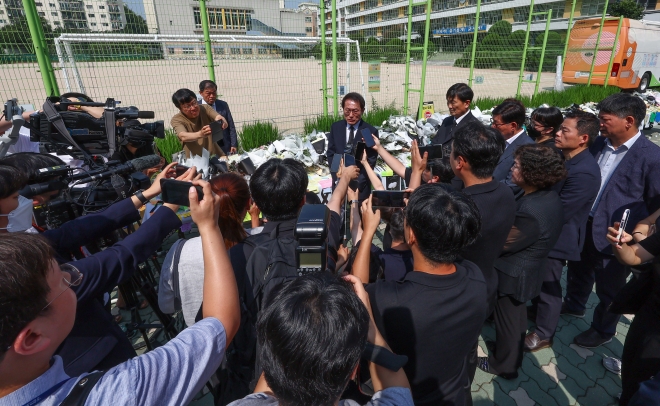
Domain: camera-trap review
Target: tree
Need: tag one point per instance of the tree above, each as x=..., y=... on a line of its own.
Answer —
x=627, y=9
x=135, y=24
x=501, y=28
x=16, y=38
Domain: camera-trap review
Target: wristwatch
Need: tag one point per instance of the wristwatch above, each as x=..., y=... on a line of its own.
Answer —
x=140, y=196
x=355, y=201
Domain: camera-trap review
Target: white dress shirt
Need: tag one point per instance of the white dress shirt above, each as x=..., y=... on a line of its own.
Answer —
x=510, y=140
x=458, y=120
x=348, y=130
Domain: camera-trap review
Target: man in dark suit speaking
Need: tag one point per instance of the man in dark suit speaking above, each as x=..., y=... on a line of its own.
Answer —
x=344, y=136
x=459, y=96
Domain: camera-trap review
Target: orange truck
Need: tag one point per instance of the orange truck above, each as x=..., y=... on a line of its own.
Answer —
x=635, y=65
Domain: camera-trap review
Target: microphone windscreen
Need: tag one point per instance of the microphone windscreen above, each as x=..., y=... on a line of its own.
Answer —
x=145, y=162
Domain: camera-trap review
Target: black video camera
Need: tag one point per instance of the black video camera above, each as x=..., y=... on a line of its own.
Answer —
x=89, y=132
x=311, y=233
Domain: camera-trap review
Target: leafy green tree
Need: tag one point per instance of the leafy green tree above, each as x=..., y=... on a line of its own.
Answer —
x=627, y=9
x=501, y=28
x=135, y=24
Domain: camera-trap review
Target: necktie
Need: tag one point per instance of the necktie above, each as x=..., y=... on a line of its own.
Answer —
x=351, y=136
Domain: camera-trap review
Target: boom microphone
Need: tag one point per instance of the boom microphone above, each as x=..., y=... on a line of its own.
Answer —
x=135, y=165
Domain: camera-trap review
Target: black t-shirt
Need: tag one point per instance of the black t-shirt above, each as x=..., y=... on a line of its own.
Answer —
x=435, y=320
x=396, y=264
x=652, y=245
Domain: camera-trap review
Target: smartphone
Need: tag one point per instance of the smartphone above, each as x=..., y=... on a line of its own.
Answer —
x=220, y=166
x=359, y=150
x=349, y=160
x=435, y=151
x=217, y=132
x=180, y=170
x=246, y=166
x=336, y=162
x=176, y=192
x=368, y=139
x=389, y=198
x=622, y=225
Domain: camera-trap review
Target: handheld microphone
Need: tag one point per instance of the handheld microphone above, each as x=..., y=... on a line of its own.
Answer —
x=134, y=165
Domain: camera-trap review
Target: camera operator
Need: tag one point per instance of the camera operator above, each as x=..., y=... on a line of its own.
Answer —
x=23, y=144
x=39, y=313
x=434, y=316
x=191, y=124
x=96, y=341
x=309, y=360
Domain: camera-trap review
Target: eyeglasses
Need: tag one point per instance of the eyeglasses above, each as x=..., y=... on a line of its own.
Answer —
x=75, y=279
x=496, y=124
x=189, y=106
x=352, y=111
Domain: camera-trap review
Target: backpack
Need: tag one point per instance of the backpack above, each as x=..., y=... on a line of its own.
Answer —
x=271, y=263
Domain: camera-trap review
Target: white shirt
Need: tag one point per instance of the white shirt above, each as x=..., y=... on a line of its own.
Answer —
x=510, y=140
x=458, y=120
x=608, y=161
x=23, y=144
x=348, y=130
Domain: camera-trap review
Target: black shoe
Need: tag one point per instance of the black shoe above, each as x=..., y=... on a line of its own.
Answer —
x=531, y=313
x=590, y=339
x=482, y=363
x=568, y=312
x=534, y=343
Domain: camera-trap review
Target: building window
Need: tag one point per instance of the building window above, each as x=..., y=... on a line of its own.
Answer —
x=371, y=32
x=170, y=50
x=3, y=21
x=89, y=6
x=247, y=51
x=354, y=8
x=235, y=51
x=263, y=51
x=38, y=4
x=592, y=7
x=390, y=14
x=91, y=15
x=42, y=14
x=308, y=29
x=370, y=18
x=218, y=50
x=52, y=5
x=369, y=4
x=53, y=13
x=188, y=50
x=104, y=24
x=234, y=19
x=101, y=7
x=93, y=24
x=56, y=22
x=2, y=11
x=308, y=19
x=103, y=15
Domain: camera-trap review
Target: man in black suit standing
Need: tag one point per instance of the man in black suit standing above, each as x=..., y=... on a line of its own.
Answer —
x=508, y=119
x=459, y=96
x=208, y=90
x=476, y=149
x=344, y=136
x=577, y=193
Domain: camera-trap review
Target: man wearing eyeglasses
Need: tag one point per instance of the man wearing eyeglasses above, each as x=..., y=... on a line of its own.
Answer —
x=508, y=119
x=344, y=136
x=192, y=124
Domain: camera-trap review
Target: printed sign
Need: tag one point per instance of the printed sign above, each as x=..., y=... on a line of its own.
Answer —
x=479, y=80
x=428, y=109
x=374, y=76
x=461, y=30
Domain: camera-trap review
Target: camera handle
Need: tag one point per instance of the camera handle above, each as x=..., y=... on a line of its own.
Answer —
x=10, y=137
x=56, y=119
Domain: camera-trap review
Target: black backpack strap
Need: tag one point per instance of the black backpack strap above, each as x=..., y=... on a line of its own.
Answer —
x=175, y=274
x=80, y=392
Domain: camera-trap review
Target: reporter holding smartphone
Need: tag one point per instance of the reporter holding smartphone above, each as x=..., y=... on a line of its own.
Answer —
x=641, y=350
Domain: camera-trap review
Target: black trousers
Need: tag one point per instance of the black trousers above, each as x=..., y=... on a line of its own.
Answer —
x=548, y=303
x=609, y=276
x=641, y=352
x=510, y=329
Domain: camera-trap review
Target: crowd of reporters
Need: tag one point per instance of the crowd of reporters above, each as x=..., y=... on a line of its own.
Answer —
x=485, y=230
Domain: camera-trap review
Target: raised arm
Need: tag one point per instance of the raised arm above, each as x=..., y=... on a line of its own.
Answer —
x=373, y=178
x=346, y=175
x=627, y=254
x=390, y=160
x=220, y=290
x=418, y=165
x=370, y=222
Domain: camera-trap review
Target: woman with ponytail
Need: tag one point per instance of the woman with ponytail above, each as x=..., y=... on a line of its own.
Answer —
x=182, y=274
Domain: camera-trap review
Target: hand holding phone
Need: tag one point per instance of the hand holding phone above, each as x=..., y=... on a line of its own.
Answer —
x=622, y=225
x=176, y=192
x=389, y=198
x=217, y=131
x=368, y=139
x=434, y=151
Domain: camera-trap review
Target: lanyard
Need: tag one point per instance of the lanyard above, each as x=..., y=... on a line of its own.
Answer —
x=44, y=395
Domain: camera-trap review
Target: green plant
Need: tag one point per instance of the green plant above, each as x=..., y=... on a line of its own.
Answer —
x=502, y=28
x=573, y=95
x=257, y=134
x=169, y=145
x=377, y=114
x=320, y=123
x=627, y=9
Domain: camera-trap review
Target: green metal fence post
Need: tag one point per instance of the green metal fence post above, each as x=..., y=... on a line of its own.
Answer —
x=545, y=42
x=324, y=68
x=406, y=85
x=524, y=55
x=600, y=31
x=207, y=38
x=568, y=31
x=43, y=59
x=335, y=85
x=425, y=57
x=616, y=41
x=474, y=42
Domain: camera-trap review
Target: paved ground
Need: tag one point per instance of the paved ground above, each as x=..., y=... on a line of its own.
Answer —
x=562, y=375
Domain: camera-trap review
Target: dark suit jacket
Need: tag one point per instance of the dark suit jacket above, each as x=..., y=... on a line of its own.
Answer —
x=444, y=136
x=502, y=171
x=577, y=193
x=96, y=341
x=229, y=133
x=337, y=143
x=497, y=208
x=634, y=185
x=536, y=232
